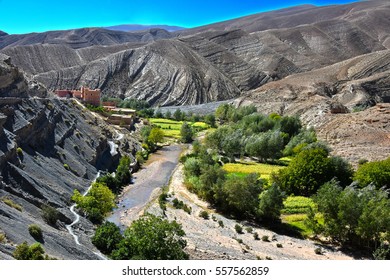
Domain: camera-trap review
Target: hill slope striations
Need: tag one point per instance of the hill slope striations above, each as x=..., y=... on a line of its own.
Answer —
x=48, y=148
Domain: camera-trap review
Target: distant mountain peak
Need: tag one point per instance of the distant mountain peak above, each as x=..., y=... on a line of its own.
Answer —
x=140, y=27
x=3, y=33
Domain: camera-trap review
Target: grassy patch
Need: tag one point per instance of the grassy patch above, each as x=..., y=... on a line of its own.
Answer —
x=297, y=221
x=172, y=128
x=240, y=169
x=297, y=205
x=12, y=204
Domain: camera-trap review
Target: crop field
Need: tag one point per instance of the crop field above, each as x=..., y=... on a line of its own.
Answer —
x=171, y=128
x=294, y=213
x=240, y=169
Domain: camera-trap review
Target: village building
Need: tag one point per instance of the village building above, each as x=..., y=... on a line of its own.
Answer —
x=87, y=95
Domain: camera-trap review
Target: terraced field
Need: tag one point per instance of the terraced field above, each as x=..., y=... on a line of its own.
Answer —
x=171, y=128
x=242, y=169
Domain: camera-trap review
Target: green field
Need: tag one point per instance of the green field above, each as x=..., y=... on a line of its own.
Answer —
x=241, y=169
x=172, y=128
x=294, y=213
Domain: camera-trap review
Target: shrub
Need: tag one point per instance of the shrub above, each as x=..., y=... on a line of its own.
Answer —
x=187, y=209
x=265, y=238
x=25, y=252
x=162, y=200
x=50, y=214
x=271, y=202
x=238, y=229
x=2, y=238
x=256, y=236
x=35, y=231
x=12, y=204
x=186, y=133
x=377, y=172
x=66, y=166
x=204, y=214
x=318, y=251
x=279, y=245
x=239, y=240
x=249, y=229
x=19, y=151
x=220, y=223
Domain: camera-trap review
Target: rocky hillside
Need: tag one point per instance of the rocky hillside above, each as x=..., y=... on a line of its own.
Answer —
x=211, y=63
x=48, y=148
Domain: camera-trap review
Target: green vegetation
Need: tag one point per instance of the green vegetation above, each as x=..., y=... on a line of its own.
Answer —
x=220, y=223
x=19, y=151
x=152, y=238
x=3, y=238
x=11, y=203
x=33, y=252
x=172, y=128
x=238, y=229
x=377, y=173
x=265, y=238
x=256, y=236
x=242, y=169
x=35, y=231
x=107, y=238
x=122, y=176
x=97, y=203
x=359, y=217
x=204, y=214
x=186, y=133
x=297, y=205
x=310, y=169
x=50, y=214
x=178, y=204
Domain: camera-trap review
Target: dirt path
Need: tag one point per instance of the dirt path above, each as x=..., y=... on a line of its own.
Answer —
x=146, y=182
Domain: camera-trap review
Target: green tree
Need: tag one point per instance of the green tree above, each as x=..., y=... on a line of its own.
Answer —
x=270, y=204
x=97, y=203
x=152, y=238
x=310, y=169
x=186, y=133
x=156, y=136
x=242, y=195
x=107, y=238
x=168, y=115
x=50, y=214
x=377, y=172
x=210, y=120
x=177, y=115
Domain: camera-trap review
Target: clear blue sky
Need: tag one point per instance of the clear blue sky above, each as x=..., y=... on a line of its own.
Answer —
x=19, y=16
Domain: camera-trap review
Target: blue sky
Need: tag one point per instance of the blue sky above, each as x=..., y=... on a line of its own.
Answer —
x=36, y=16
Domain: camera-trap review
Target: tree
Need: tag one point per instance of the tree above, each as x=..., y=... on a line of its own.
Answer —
x=168, y=115
x=186, y=133
x=50, y=214
x=156, y=136
x=270, y=204
x=377, y=172
x=177, y=115
x=97, y=203
x=310, y=169
x=210, y=120
x=290, y=125
x=152, y=238
x=107, y=237
x=242, y=194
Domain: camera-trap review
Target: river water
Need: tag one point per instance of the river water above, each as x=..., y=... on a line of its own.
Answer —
x=154, y=174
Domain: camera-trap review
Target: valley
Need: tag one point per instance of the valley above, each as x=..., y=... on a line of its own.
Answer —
x=264, y=123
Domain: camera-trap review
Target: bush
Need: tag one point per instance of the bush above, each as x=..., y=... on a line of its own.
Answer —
x=265, y=238
x=66, y=166
x=186, y=133
x=238, y=229
x=107, y=238
x=35, y=231
x=204, y=214
x=33, y=252
x=50, y=214
x=19, y=151
x=152, y=238
x=249, y=229
x=220, y=223
x=377, y=172
x=271, y=202
x=278, y=245
x=12, y=204
x=256, y=236
x=318, y=251
x=3, y=238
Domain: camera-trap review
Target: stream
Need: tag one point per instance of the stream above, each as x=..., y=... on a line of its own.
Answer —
x=155, y=174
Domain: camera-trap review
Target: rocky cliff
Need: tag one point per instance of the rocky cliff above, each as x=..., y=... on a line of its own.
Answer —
x=48, y=148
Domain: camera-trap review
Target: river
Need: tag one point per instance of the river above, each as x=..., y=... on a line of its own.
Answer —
x=154, y=174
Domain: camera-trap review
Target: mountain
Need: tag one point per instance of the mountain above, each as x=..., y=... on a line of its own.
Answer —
x=2, y=33
x=84, y=37
x=140, y=27
x=211, y=63
x=48, y=148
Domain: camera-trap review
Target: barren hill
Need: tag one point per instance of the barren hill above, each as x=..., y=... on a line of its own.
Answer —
x=210, y=63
